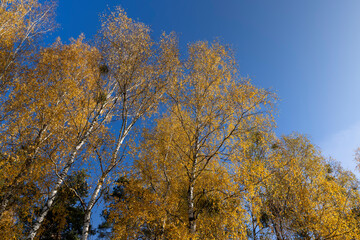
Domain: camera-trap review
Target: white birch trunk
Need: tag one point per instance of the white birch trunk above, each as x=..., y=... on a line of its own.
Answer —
x=61, y=177
x=191, y=208
x=87, y=216
x=51, y=198
x=191, y=211
x=99, y=185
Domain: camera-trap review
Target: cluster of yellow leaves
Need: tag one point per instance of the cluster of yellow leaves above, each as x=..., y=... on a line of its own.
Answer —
x=213, y=169
x=47, y=102
x=183, y=176
x=21, y=22
x=46, y=121
x=307, y=197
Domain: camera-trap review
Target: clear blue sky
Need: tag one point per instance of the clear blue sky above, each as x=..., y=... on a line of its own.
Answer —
x=307, y=51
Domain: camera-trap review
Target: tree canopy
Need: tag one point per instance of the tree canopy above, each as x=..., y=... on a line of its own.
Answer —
x=177, y=145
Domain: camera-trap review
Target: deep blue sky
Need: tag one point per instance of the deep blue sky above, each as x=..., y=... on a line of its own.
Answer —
x=307, y=51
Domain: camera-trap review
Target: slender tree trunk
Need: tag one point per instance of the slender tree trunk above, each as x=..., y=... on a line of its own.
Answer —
x=93, y=199
x=253, y=225
x=44, y=211
x=277, y=230
x=191, y=210
x=191, y=207
x=51, y=198
x=87, y=216
x=61, y=177
x=86, y=224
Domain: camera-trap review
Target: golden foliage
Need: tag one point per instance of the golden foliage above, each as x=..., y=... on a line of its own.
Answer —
x=210, y=167
x=182, y=187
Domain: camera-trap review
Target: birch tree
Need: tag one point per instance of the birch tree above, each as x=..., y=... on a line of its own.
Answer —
x=182, y=187
x=78, y=103
x=308, y=197
x=141, y=71
x=55, y=105
x=21, y=24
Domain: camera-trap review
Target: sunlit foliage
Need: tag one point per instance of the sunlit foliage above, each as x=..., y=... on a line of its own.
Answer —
x=185, y=143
